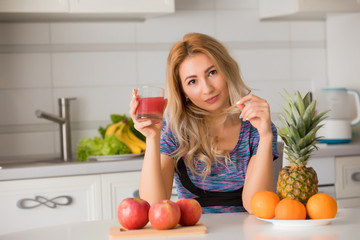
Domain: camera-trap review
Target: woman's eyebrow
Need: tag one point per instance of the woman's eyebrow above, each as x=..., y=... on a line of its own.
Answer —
x=208, y=69
x=191, y=76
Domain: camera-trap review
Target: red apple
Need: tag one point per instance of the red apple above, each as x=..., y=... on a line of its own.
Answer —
x=164, y=214
x=133, y=213
x=190, y=211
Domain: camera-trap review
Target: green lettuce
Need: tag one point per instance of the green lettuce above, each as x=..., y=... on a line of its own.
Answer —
x=98, y=146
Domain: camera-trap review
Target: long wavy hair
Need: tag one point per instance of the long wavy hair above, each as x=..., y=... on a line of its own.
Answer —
x=188, y=122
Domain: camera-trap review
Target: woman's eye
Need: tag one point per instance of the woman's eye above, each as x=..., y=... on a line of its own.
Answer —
x=213, y=72
x=191, y=82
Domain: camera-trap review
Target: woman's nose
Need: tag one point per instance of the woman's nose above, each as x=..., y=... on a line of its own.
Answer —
x=207, y=86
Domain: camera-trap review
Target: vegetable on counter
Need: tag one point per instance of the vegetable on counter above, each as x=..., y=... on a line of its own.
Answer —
x=119, y=137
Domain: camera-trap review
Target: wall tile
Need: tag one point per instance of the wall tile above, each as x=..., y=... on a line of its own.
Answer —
x=94, y=32
x=96, y=104
x=19, y=106
x=26, y=144
x=171, y=28
x=343, y=34
x=246, y=26
x=76, y=135
x=24, y=33
x=152, y=67
x=310, y=64
x=272, y=90
x=94, y=69
x=25, y=70
x=307, y=31
x=260, y=64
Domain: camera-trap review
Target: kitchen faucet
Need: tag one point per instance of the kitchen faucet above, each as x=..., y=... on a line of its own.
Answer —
x=64, y=121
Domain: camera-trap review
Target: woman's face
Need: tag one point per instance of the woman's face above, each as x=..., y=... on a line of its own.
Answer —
x=202, y=83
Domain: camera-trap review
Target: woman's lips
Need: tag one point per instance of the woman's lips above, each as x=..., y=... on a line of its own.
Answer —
x=212, y=99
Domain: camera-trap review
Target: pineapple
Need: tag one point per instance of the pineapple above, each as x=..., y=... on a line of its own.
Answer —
x=300, y=124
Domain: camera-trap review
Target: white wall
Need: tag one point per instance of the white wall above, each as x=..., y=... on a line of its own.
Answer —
x=343, y=34
x=99, y=63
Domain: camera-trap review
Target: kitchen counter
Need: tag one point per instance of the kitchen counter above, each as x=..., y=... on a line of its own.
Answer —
x=48, y=166
x=220, y=226
x=337, y=150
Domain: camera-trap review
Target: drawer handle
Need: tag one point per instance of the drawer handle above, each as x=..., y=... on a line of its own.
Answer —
x=356, y=176
x=28, y=203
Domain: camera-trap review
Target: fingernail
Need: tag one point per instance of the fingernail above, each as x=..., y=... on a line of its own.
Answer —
x=240, y=115
x=238, y=102
x=149, y=122
x=135, y=102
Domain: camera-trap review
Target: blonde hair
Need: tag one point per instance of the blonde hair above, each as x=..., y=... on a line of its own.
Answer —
x=187, y=121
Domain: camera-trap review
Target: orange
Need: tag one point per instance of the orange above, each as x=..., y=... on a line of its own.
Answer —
x=321, y=206
x=263, y=204
x=290, y=209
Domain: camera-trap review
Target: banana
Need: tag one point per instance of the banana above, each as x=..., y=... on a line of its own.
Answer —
x=121, y=134
x=112, y=128
x=135, y=139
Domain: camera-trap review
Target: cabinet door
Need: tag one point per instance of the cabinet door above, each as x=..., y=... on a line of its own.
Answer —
x=26, y=204
x=347, y=177
x=115, y=188
x=40, y=6
x=123, y=6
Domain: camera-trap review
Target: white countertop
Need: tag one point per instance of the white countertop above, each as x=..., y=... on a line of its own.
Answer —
x=43, y=169
x=220, y=226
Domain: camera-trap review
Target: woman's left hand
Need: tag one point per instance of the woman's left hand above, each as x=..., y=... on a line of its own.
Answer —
x=257, y=111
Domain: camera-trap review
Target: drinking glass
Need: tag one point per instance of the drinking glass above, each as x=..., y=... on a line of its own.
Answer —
x=151, y=103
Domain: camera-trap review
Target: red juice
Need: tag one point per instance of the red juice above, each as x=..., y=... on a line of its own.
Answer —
x=150, y=108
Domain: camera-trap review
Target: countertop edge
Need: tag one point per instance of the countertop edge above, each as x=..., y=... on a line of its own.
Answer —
x=65, y=170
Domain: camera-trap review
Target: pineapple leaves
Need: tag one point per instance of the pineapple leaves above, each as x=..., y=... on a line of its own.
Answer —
x=299, y=103
x=300, y=123
x=307, y=100
x=309, y=114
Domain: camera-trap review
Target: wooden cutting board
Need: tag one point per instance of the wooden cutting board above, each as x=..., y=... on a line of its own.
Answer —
x=150, y=231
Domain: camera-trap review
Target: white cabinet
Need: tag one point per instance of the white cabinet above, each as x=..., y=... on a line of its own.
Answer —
x=115, y=188
x=347, y=184
x=124, y=6
x=304, y=9
x=39, y=6
x=32, y=203
x=26, y=204
x=22, y=10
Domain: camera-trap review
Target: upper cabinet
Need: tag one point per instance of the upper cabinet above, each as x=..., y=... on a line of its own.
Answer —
x=304, y=9
x=69, y=10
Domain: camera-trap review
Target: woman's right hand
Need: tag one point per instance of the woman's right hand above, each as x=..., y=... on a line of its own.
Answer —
x=147, y=128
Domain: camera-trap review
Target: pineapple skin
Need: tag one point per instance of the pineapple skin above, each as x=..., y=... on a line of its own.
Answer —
x=297, y=182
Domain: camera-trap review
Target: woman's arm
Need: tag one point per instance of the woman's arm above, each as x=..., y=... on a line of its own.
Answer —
x=157, y=173
x=259, y=174
x=158, y=170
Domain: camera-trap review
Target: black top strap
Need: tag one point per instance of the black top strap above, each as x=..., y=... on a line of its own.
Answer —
x=208, y=198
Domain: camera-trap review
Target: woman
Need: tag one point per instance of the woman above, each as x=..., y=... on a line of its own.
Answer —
x=214, y=155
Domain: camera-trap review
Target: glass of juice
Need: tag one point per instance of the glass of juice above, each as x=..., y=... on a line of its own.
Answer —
x=151, y=104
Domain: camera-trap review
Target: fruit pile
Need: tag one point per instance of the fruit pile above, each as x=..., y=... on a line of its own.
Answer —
x=266, y=204
x=125, y=135
x=135, y=213
x=118, y=137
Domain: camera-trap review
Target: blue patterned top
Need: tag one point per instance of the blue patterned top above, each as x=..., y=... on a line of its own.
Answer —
x=221, y=178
